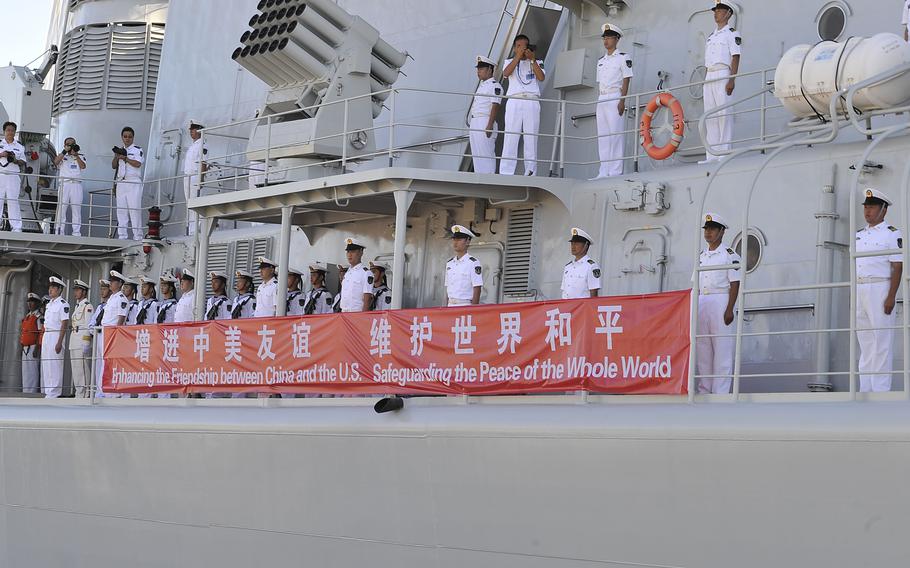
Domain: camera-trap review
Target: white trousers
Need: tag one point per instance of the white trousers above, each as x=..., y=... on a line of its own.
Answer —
x=483, y=149
x=70, y=198
x=9, y=192
x=31, y=370
x=714, y=355
x=720, y=129
x=51, y=365
x=81, y=368
x=99, y=361
x=129, y=202
x=522, y=117
x=875, y=354
x=191, y=189
x=609, y=140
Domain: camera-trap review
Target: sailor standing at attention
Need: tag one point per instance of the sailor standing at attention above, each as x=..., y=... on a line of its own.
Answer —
x=877, y=281
x=56, y=323
x=525, y=74
x=80, y=342
x=218, y=306
x=464, y=274
x=717, y=292
x=128, y=163
x=193, y=165
x=614, y=73
x=484, y=109
x=12, y=158
x=267, y=292
x=296, y=302
x=104, y=291
x=130, y=283
x=318, y=300
x=148, y=305
x=581, y=276
x=114, y=315
x=722, y=56
x=167, y=306
x=382, y=295
x=357, y=286
x=31, y=349
x=184, y=310
x=336, y=302
x=244, y=303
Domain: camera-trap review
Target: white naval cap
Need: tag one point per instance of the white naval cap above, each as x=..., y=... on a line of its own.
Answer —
x=351, y=243
x=242, y=273
x=297, y=271
x=579, y=235
x=872, y=196
x=266, y=260
x=104, y=282
x=33, y=296
x=187, y=274
x=57, y=281
x=481, y=60
x=80, y=284
x=462, y=232
x=319, y=267
x=716, y=219
x=218, y=274
x=608, y=27
x=168, y=277
x=147, y=280
x=118, y=276
x=380, y=265
x=721, y=4
x=194, y=124
x=131, y=280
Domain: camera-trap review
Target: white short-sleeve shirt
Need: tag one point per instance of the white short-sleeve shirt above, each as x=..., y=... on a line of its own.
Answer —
x=579, y=277
x=56, y=312
x=483, y=105
x=612, y=69
x=721, y=46
x=716, y=281
x=462, y=275
x=117, y=305
x=358, y=280
x=184, y=310
x=127, y=172
x=880, y=237
x=523, y=81
x=267, y=299
x=70, y=170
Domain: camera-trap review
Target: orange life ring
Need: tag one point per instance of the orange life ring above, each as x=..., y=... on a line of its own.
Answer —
x=679, y=124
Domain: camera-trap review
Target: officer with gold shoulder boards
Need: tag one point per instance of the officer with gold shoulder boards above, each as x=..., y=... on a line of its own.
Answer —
x=357, y=286
x=722, y=57
x=717, y=292
x=56, y=324
x=80, y=342
x=581, y=276
x=877, y=281
x=482, y=122
x=464, y=274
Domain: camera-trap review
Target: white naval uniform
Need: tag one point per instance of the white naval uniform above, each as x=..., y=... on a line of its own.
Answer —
x=129, y=195
x=714, y=355
x=147, y=311
x=117, y=305
x=184, y=310
x=165, y=311
x=243, y=306
x=382, y=298
x=10, y=183
x=873, y=279
x=358, y=280
x=462, y=275
x=56, y=312
x=70, y=194
x=97, y=338
x=522, y=117
x=31, y=365
x=80, y=345
x=612, y=70
x=318, y=301
x=721, y=46
x=266, y=299
x=194, y=155
x=579, y=277
x=218, y=308
x=483, y=147
x=905, y=14
x=296, y=303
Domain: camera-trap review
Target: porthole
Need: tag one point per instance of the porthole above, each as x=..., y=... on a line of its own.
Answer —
x=831, y=23
x=756, y=249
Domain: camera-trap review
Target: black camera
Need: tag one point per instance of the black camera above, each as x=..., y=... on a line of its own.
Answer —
x=75, y=148
x=119, y=151
x=532, y=47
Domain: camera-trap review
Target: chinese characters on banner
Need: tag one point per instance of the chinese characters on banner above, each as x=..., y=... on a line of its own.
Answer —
x=624, y=344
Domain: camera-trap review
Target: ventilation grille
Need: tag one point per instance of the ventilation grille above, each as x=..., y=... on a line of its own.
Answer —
x=238, y=255
x=217, y=260
x=519, y=243
x=109, y=66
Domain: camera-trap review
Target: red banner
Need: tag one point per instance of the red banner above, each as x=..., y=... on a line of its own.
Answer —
x=624, y=344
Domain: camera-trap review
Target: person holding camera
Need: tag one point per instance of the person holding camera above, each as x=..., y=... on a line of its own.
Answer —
x=193, y=166
x=128, y=163
x=70, y=164
x=525, y=74
x=12, y=158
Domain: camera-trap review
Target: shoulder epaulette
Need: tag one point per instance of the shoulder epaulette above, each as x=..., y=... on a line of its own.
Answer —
x=472, y=259
x=451, y=259
x=731, y=251
x=892, y=228
x=568, y=263
x=732, y=29
x=365, y=269
x=590, y=261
